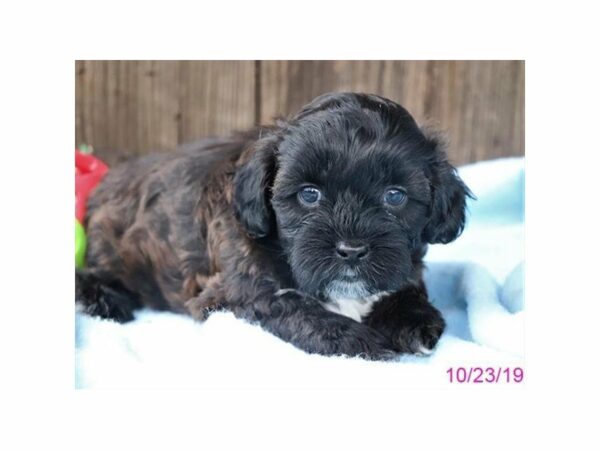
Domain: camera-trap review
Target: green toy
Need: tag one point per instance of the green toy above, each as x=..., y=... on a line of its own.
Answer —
x=80, y=243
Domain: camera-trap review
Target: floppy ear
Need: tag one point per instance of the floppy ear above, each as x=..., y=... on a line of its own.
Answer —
x=448, y=199
x=253, y=178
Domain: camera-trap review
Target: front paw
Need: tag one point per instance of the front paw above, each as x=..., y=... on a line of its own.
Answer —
x=356, y=340
x=302, y=321
x=419, y=332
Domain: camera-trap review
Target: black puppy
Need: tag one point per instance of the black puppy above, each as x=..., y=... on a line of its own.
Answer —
x=315, y=228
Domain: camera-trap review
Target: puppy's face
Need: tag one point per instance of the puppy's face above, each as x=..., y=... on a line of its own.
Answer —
x=352, y=188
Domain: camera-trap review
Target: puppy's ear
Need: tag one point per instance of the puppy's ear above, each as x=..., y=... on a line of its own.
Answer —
x=448, y=198
x=253, y=179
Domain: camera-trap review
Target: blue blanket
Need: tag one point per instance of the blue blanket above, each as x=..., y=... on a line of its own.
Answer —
x=476, y=281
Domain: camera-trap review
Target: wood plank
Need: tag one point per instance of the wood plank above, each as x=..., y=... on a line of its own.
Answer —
x=216, y=97
x=127, y=108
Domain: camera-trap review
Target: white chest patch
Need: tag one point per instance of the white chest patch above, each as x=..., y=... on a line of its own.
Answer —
x=351, y=299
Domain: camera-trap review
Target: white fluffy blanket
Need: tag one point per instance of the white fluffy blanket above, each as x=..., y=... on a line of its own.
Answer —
x=477, y=283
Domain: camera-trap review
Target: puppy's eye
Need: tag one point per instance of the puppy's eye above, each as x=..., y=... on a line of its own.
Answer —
x=394, y=197
x=309, y=195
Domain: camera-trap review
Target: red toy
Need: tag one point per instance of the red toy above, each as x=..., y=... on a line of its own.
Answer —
x=88, y=173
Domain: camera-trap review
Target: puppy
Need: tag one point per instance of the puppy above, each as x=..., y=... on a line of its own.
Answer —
x=314, y=228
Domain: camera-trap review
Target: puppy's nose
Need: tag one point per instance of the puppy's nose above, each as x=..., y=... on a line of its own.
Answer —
x=351, y=253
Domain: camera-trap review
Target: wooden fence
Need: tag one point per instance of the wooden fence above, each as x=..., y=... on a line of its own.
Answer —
x=127, y=108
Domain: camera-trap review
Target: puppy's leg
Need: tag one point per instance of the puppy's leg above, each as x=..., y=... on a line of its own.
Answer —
x=408, y=319
x=97, y=295
x=211, y=298
x=302, y=321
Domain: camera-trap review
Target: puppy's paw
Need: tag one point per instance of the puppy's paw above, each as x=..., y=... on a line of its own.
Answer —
x=419, y=333
x=106, y=303
x=211, y=298
x=314, y=329
x=369, y=349
x=350, y=338
x=96, y=298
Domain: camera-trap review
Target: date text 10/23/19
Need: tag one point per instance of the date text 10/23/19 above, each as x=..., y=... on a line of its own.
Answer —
x=488, y=375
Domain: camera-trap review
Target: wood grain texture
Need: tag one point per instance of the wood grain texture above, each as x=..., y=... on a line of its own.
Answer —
x=216, y=97
x=126, y=108
x=478, y=104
